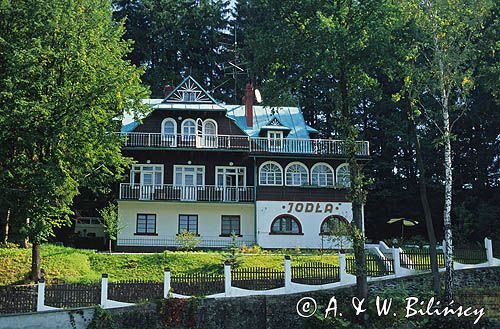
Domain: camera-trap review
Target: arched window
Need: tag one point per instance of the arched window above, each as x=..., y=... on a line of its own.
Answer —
x=322, y=175
x=209, y=127
x=297, y=174
x=270, y=173
x=169, y=130
x=343, y=175
x=333, y=225
x=188, y=129
x=210, y=133
x=286, y=224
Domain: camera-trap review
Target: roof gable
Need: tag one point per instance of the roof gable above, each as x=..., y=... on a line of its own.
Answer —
x=189, y=91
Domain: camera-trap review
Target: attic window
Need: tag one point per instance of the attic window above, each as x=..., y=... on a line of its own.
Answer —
x=188, y=96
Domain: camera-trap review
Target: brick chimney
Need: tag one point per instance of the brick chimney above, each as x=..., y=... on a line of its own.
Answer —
x=167, y=89
x=248, y=100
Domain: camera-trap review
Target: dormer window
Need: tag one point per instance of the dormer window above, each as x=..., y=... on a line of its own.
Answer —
x=275, y=140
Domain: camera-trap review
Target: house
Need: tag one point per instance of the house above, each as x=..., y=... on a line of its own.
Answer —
x=219, y=170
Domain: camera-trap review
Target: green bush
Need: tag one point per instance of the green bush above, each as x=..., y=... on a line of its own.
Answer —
x=9, y=245
x=187, y=241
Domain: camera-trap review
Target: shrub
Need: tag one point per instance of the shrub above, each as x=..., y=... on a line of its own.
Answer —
x=9, y=245
x=187, y=241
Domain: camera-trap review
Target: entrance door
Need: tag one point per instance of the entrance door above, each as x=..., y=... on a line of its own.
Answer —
x=189, y=179
x=147, y=185
x=189, y=186
x=232, y=181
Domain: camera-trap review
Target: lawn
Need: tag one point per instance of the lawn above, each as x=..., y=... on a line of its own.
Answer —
x=62, y=264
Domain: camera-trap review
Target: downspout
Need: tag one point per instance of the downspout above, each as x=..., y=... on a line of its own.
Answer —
x=255, y=200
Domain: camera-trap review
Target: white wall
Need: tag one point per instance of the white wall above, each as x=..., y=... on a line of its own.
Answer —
x=167, y=218
x=310, y=215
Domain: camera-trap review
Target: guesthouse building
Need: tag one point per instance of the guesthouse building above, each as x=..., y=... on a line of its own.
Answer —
x=218, y=171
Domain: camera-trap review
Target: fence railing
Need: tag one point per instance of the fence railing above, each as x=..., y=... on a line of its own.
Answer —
x=257, y=278
x=72, y=295
x=315, y=273
x=206, y=193
x=375, y=266
x=469, y=255
x=197, y=284
x=18, y=299
x=419, y=259
x=237, y=282
x=243, y=143
x=172, y=241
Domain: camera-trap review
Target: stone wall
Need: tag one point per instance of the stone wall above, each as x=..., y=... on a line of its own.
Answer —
x=255, y=312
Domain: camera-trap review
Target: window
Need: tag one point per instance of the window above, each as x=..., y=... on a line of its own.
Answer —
x=230, y=225
x=188, y=96
x=146, y=224
x=275, y=140
x=270, y=173
x=188, y=223
x=230, y=176
x=147, y=174
x=322, y=175
x=169, y=130
x=334, y=224
x=210, y=133
x=297, y=174
x=286, y=224
x=189, y=175
x=188, y=129
x=343, y=175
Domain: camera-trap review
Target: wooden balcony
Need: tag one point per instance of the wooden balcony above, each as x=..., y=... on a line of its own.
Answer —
x=206, y=193
x=254, y=145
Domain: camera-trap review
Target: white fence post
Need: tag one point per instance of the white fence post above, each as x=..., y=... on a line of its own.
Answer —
x=397, y=261
x=104, y=290
x=288, y=273
x=40, y=298
x=166, y=283
x=342, y=267
x=489, y=251
x=227, y=278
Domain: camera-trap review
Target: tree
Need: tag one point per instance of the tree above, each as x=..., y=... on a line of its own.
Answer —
x=65, y=87
x=452, y=29
x=111, y=223
x=234, y=256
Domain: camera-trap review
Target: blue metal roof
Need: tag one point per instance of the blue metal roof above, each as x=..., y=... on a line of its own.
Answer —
x=289, y=117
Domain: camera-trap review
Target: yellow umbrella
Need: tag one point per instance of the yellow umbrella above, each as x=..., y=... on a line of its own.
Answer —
x=404, y=222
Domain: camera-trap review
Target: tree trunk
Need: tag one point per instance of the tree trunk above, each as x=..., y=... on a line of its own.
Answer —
x=5, y=227
x=110, y=245
x=35, y=262
x=359, y=252
x=448, y=255
x=436, y=286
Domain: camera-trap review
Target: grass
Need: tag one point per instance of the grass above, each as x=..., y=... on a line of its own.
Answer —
x=69, y=265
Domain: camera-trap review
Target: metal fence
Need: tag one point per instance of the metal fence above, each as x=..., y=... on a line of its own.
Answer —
x=134, y=291
x=419, y=259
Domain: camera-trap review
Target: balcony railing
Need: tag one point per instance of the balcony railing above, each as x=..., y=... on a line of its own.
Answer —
x=305, y=146
x=233, y=142
x=207, y=193
x=256, y=145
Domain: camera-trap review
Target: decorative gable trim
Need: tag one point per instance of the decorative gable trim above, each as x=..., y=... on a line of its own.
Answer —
x=189, y=91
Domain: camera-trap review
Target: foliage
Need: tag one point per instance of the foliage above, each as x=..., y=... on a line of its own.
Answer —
x=187, y=241
x=233, y=256
x=63, y=264
x=65, y=87
x=111, y=223
x=102, y=319
x=9, y=245
x=339, y=232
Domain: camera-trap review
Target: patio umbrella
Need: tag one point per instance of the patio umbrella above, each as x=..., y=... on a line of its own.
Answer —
x=404, y=222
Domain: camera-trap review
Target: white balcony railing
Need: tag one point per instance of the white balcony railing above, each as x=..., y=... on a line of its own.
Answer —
x=236, y=142
x=233, y=142
x=207, y=193
x=305, y=146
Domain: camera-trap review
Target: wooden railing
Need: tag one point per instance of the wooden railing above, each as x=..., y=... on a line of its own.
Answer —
x=243, y=143
x=208, y=193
